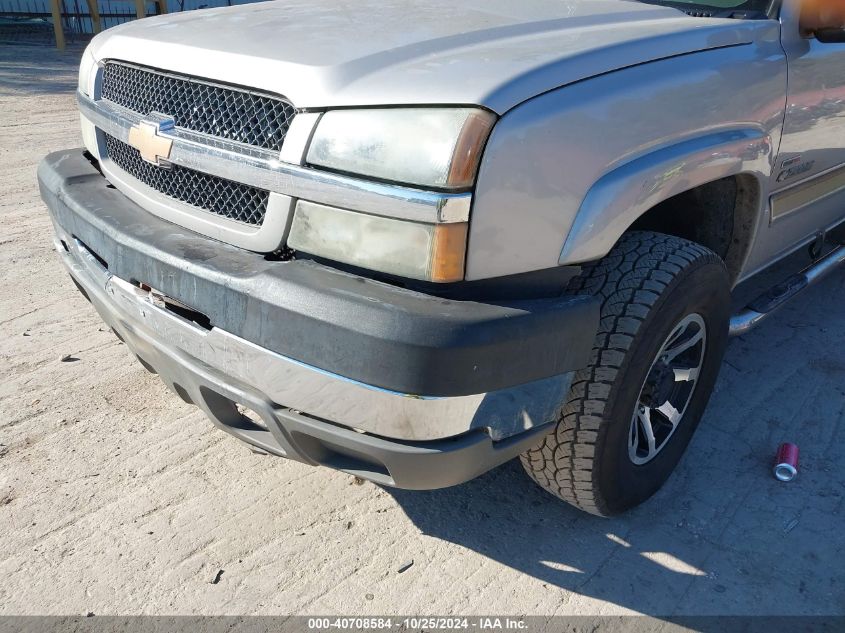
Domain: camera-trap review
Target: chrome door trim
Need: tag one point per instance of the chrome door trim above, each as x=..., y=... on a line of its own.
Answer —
x=264, y=169
x=802, y=194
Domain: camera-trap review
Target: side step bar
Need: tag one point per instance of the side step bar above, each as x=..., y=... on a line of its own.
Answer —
x=776, y=296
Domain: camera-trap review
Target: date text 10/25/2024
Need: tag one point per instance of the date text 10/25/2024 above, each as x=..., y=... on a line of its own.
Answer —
x=491, y=623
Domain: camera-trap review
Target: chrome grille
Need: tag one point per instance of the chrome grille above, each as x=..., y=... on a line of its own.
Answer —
x=200, y=105
x=222, y=197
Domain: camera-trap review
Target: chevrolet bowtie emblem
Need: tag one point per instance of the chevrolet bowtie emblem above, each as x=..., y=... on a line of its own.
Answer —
x=145, y=138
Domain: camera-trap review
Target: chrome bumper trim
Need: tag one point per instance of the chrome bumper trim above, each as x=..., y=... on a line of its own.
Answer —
x=264, y=169
x=288, y=383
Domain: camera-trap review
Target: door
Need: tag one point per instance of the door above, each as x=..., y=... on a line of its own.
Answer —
x=808, y=180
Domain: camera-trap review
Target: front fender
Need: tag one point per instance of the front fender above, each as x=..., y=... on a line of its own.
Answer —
x=566, y=173
x=615, y=202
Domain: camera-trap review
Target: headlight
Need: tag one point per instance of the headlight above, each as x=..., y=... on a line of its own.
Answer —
x=428, y=147
x=434, y=148
x=87, y=72
x=432, y=252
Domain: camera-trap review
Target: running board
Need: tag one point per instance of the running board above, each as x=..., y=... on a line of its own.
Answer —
x=776, y=296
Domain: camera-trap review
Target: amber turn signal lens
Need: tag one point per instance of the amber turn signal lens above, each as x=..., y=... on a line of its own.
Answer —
x=431, y=252
x=448, y=255
x=469, y=147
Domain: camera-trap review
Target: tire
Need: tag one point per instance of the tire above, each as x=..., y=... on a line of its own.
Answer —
x=651, y=285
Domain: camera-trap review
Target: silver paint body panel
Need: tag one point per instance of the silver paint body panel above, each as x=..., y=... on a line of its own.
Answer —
x=496, y=53
x=569, y=171
x=814, y=135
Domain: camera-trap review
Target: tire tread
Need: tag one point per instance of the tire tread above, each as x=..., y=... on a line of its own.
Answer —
x=630, y=282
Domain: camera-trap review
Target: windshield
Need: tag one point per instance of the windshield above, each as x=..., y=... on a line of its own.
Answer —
x=754, y=6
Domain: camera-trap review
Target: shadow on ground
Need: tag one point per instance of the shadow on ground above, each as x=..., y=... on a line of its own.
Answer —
x=39, y=70
x=722, y=537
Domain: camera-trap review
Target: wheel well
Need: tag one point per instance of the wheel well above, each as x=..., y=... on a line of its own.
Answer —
x=720, y=215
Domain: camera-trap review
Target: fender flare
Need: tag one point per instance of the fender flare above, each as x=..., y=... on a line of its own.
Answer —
x=624, y=194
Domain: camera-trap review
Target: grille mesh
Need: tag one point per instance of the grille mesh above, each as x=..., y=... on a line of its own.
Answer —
x=200, y=106
x=222, y=197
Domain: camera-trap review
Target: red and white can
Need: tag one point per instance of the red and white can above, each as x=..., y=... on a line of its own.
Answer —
x=786, y=463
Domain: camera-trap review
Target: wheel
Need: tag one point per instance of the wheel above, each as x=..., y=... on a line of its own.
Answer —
x=629, y=415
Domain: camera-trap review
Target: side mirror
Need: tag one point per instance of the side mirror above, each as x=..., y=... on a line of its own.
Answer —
x=830, y=36
x=824, y=20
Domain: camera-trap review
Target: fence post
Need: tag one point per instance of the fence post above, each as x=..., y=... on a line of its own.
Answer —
x=141, y=7
x=94, y=10
x=56, y=10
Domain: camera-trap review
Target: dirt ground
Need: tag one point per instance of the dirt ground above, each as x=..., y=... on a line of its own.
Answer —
x=116, y=498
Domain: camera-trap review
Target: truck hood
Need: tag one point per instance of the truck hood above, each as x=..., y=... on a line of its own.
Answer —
x=495, y=53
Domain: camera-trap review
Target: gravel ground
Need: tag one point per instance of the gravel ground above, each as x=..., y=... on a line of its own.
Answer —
x=116, y=498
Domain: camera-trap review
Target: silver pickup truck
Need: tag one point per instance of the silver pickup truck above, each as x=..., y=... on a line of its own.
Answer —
x=413, y=240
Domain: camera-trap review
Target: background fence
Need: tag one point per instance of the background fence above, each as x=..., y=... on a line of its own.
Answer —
x=30, y=21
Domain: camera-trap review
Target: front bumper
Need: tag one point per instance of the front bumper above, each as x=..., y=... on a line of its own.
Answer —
x=331, y=363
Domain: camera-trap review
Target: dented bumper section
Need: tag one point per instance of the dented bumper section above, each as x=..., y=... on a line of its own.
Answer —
x=388, y=384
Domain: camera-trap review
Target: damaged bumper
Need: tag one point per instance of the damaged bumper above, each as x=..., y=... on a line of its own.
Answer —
x=388, y=384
